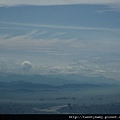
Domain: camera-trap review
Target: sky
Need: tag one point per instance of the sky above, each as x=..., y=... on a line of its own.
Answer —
x=60, y=37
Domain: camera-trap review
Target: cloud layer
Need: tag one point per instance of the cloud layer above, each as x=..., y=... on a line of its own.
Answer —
x=61, y=27
x=51, y=43
x=85, y=66
x=54, y=2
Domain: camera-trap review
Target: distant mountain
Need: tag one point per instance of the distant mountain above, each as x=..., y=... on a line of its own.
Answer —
x=57, y=79
x=27, y=86
x=89, y=80
x=81, y=86
x=42, y=79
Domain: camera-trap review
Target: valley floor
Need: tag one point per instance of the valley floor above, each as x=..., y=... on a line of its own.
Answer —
x=91, y=101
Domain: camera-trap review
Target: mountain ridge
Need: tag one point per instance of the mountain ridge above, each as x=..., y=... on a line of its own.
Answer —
x=57, y=79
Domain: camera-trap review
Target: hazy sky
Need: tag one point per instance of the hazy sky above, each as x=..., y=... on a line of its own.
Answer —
x=61, y=36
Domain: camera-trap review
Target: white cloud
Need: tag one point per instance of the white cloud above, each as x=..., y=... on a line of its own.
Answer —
x=26, y=65
x=84, y=67
x=29, y=42
x=53, y=2
x=8, y=66
x=105, y=66
x=115, y=7
x=43, y=32
x=13, y=28
x=102, y=11
x=73, y=46
x=58, y=34
x=62, y=27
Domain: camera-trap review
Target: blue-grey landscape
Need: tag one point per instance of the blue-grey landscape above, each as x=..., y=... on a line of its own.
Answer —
x=60, y=57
